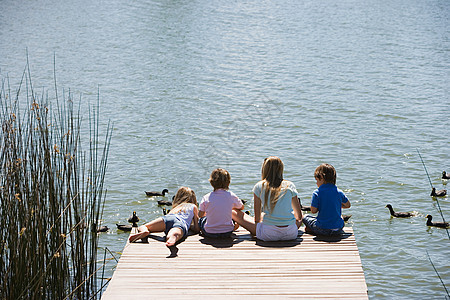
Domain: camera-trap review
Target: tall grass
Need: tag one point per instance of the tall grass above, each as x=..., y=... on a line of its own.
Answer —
x=51, y=194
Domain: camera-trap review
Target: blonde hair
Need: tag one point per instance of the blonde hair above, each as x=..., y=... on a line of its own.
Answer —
x=326, y=172
x=220, y=179
x=272, y=177
x=183, y=197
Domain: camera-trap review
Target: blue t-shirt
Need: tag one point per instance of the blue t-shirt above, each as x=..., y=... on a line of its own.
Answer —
x=328, y=200
x=282, y=213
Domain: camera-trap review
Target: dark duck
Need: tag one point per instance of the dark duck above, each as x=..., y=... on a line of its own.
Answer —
x=445, y=175
x=399, y=214
x=346, y=217
x=304, y=208
x=157, y=194
x=436, y=224
x=103, y=228
x=165, y=202
x=134, y=219
x=440, y=193
x=124, y=227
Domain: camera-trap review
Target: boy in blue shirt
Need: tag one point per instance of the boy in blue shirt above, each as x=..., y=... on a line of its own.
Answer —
x=328, y=202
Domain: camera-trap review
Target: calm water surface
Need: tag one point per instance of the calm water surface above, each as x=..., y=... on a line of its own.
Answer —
x=193, y=85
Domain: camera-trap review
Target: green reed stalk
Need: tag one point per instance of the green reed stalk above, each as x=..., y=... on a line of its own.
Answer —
x=51, y=195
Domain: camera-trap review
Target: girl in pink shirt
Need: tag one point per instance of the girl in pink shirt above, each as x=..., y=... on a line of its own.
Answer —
x=216, y=207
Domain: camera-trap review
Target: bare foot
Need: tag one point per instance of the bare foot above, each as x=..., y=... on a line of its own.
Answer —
x=137, y=236
x=171, y=240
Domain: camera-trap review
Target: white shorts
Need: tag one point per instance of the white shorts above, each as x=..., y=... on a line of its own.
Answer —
x=268, y=233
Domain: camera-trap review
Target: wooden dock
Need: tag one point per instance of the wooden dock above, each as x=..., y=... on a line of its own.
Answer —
x=241, y=267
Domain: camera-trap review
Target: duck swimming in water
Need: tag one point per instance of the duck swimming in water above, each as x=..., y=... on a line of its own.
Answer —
x=124, y=227
x=156, y=194
x=165, y=202
x=102, y=229
x=346, y=217
x=305, y=208
x=445, y=177
x=436, y=224
x=399, y=214
x=134, y=219
x=440, y=193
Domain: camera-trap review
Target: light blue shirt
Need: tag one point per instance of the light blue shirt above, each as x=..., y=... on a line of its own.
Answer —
x=282, y=213
x=185, y=215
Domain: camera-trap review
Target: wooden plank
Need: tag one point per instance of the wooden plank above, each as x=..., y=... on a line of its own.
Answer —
x=241, y=266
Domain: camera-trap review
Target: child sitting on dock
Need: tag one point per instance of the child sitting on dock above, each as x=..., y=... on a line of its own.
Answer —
x=277, y=210
x=177, y=222
x=327, y=201
x=216, y=207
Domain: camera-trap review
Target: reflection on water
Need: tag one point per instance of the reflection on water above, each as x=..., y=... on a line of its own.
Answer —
x=191, y=86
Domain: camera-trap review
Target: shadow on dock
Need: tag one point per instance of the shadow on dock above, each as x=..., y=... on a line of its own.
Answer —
x=224, y=242
x=333, y=239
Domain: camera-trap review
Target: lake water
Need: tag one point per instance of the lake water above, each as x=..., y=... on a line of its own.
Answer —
x=195, y=85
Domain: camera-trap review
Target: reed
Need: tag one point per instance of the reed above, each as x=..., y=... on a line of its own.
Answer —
x=51, y=194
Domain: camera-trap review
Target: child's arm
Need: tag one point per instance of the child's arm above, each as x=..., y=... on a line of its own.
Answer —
x=194, y=225
x=297, y=209
x=315, y=202
x=239, y=208
x=257, y=208
x=201, y=214
x=346, y=204
x=237, y=203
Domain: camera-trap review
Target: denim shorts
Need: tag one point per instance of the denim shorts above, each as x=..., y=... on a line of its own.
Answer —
x=310, y=222
x=267, y=233
x=202, y=222
x=172, y=221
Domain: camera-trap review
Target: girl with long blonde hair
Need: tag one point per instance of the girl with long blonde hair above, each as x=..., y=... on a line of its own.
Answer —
x=176, y=224
x=277, y=210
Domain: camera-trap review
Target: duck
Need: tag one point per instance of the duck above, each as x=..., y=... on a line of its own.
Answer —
x=134, y=219
x=156, y=194
x=102, y=229
x=399, y=214
x=440, y=193
x=165, y=202
x=436, y=224
x=305, y=208
x=346, y=217
x=124, y=227
x=445, y=175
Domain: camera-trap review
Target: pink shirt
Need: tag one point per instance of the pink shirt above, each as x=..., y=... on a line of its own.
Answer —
x=218, y=206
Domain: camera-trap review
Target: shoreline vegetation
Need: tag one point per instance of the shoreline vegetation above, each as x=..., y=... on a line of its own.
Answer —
x=51, y=194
